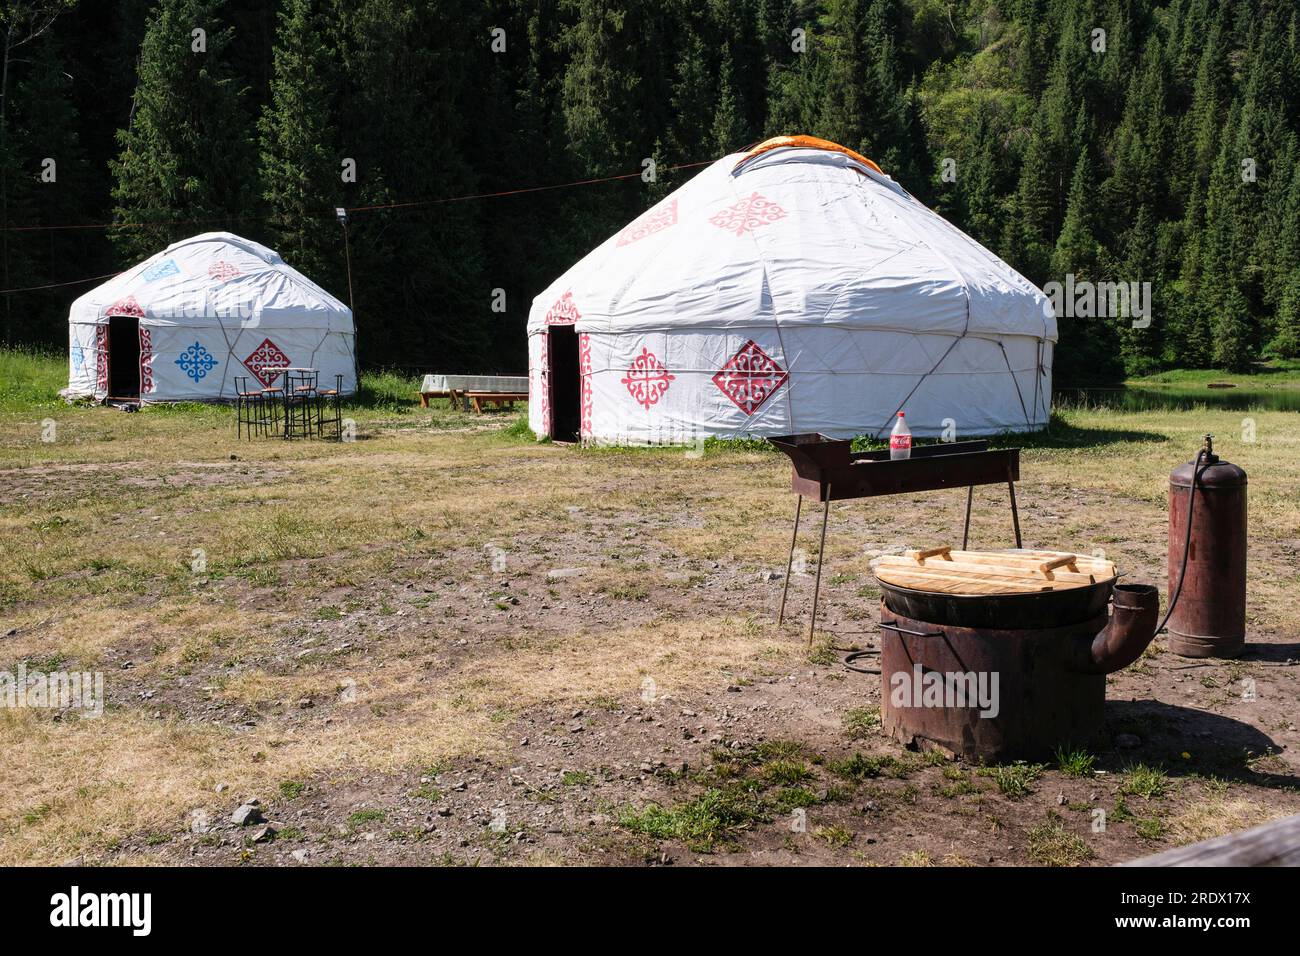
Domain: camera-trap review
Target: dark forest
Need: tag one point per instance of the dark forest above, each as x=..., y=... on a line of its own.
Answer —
x=1111, y=140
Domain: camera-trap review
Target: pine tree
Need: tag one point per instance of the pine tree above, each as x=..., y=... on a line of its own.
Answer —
x=1286, y=338
x=185, y=163
x=51, y=187
x=1139, y=341
x=302, y=171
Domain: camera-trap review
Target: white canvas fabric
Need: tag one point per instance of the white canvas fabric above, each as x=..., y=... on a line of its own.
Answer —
x=798, y=291
x=210, y=309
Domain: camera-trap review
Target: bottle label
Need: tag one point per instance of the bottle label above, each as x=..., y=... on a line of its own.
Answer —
x=900, y=441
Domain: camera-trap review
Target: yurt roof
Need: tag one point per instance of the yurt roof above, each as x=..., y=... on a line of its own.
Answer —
x=215, y=278
x=796, y=231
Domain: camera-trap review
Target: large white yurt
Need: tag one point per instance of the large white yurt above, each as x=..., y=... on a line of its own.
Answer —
x=790, y=288
x=184, y=324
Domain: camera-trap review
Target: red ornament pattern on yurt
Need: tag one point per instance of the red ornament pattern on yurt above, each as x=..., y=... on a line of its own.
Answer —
x=223, y=271
x=751, y=213
x=146, y=360
x=101, y=358
x=266, y=362
x=647, y=380
x=653, y=221
x=584, y=375
x=545, y=378
x=128, y=306
x=564, y=311
x=750, y=377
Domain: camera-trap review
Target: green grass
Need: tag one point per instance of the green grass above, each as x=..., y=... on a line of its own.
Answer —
x=1140, y=780
x=1015, y=780
x=292, y=789
x=861, y=722
x=859, y=767
x=360, y=818
x=834, y=835
x=1052, y=845
x=782, y=771
x=715, y=817
x=31, y=380
x=1075, y=763
x=1284, y=373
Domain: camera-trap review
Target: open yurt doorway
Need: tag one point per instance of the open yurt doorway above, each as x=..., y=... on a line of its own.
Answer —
x=562, y=353
x=124, y=357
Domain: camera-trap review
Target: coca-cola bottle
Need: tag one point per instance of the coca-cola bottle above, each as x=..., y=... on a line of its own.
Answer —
x=900, y=440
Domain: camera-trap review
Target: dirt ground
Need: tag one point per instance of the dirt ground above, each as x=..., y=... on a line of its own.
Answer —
x=447, y=648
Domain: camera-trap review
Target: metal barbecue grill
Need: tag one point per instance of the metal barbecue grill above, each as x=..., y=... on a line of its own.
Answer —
x=827, y=469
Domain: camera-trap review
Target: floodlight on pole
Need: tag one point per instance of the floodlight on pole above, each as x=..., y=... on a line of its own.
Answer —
x=342, y=214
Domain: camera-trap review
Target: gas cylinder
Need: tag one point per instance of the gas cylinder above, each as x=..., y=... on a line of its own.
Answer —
x=1209, y=619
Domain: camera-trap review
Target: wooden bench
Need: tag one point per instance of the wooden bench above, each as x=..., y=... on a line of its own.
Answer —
x=501, y=399
x=451, y=393
x=460, y=389
x=1272, y=844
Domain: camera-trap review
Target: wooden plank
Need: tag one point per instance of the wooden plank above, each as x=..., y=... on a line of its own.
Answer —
x=1087, y=564
x=1273, y=844
x=944, y=550
x=925, y=579
x=938, y=583
x=1064, y=561
x=981, y=573
x=1028, y=575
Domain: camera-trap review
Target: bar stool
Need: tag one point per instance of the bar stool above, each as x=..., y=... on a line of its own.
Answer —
x=329, y=408
x=273, y=404
x=301, y=408
x=248, y=407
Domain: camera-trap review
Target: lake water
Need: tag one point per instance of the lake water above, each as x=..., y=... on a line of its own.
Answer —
x=1178, y=399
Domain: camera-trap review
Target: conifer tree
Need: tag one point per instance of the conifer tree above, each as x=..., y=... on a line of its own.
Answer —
x=185, y=153
x=302, y=171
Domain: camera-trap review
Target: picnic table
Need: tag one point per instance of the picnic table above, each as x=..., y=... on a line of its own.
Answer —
x=475, y=390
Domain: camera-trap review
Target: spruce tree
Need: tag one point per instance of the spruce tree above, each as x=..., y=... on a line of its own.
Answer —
x=185, y=162
x=302, y=171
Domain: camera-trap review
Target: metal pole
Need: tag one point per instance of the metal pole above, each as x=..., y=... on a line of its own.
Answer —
x=347, y=258
x=965, y=534
x=821, y=559
x=789, y=562
x=1015, y=514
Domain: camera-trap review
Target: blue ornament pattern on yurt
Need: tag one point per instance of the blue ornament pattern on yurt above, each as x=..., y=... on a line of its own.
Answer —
x=196, y=362
x=161, y=270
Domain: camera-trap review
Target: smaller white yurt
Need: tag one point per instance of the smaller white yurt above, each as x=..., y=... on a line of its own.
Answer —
x=184, y=324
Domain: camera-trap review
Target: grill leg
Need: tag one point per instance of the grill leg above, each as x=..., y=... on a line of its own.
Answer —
x=1015, y=514
x=789, y=561
x=965, y=534
x=821, y=559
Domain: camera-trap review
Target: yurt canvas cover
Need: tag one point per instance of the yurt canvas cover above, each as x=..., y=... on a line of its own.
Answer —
x=791, y=288
x=184, y=324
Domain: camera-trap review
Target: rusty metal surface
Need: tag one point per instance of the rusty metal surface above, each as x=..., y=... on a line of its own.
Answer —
x=1028, y=610
x=1132, y=626
x=1042, y=703
x=1050, y=685
x=822, y=466
x=1209, y=619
